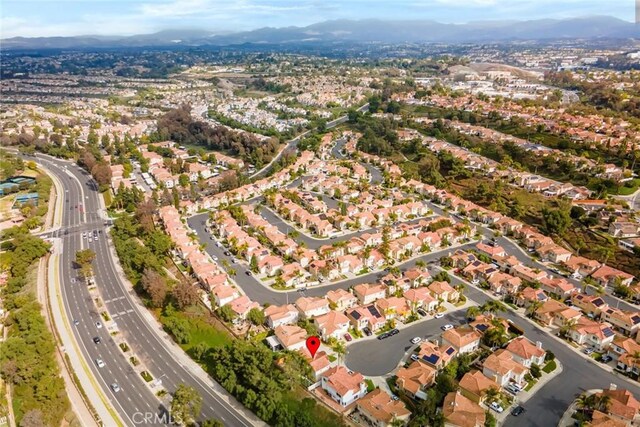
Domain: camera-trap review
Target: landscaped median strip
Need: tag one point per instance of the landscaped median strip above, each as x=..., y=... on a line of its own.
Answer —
x=65, y=322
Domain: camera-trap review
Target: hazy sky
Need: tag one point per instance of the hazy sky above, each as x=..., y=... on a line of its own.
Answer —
x=125, y=17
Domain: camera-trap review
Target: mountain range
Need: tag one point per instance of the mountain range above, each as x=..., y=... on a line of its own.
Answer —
x=359, y=31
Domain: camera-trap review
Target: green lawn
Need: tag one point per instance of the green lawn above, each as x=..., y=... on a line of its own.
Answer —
x=530, y=385
x=550, y=366
x=201, y=331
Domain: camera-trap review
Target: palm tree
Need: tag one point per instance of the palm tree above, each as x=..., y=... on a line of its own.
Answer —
x=602, y=402
x=533, y=307
x=473, y=312
x=492, y=307
x=585, y=403
x=340, y=349
x=567, y=327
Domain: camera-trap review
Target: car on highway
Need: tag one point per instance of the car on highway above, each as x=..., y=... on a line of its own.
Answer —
x=215, y=258
x=97, y=340
x=439, y=315
x=84, y=235
x=99, y=363
x=76, y=322
x=496, y=407
x=348, y=337
x=416, y=340
x=446, y=327
x=90, y=239
x=115, y=387
x=518, y=410
x=99, y=325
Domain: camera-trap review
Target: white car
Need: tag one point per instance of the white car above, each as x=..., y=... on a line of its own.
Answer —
x=416, y=340
x=414, y=357
x=99, y=363
x=496, y=407
x=215, y=258
x=115, y=387
x=439, y=316
x=446, y=327
x=98, y=325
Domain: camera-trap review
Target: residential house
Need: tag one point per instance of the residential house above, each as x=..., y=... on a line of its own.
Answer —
x=334, y=324
x=526, y=352
x=421, y=298
x=622, y=404
x=503, y=368
x=558, y=287
x=609, y=276
x=621, y=347
x=460, y=411
x=529, y=296
x=415, y=379
x=594, y=334
x=281, y=315
x=242, y=305
x=627, y=322
x=434, y=355
x=463, y=339
x=443, y=291
x=380, y=410
x=591, y=305
x=312, y=306
x=474, y=385
x=343, y=386
x=393, y=307
x=341, y=300
x=291, y=337
x=366, y=317
x=224, y=294
x=368, y=293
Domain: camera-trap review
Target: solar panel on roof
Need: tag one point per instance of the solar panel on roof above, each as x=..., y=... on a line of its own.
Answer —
x=450, y=351
x=482, y=327
x=432, y=358
x=635, y=319
x=355, y=314
x=374, y=311
x=607, y=332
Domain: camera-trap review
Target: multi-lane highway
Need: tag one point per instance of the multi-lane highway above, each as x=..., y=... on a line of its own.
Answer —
x=163, y=360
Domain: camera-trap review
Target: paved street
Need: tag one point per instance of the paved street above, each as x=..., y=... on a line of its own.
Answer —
x=164, y=360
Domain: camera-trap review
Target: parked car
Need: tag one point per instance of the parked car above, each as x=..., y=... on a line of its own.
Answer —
x=512, y=389
x=383, y=336
x=588, y=351
x=416, y=340
x=99, y=363
x=606, y=359
x=367, y=331
x=439, y=315
x=414, y=357
x=517, y=411
x=421, y=312
x=248, y=273
x=446, y=327
x=348, y=337
x=496, y=407
x=394, y=332
x=227, y=253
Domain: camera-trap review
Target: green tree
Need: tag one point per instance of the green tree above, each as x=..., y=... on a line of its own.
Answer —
x=556, y=221
x=185, y=404
x=226, y=313
x=256, y=316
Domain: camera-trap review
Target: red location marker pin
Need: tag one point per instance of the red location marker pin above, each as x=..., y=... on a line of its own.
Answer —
x=313, y=344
